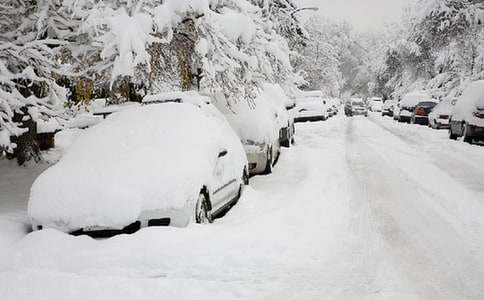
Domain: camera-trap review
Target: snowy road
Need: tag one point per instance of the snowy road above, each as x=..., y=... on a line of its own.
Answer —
x=359, y=209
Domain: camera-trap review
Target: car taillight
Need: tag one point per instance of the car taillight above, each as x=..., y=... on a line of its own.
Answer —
x=420, y=112
x=479, y=114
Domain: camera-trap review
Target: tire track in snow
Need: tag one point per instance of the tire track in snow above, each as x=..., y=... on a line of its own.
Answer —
x=417, y=239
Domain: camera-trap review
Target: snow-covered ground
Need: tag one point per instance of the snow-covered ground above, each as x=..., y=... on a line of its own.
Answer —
x=361, y=208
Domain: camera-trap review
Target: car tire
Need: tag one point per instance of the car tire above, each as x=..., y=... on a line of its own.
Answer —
x=245, y=177
x=293, y=141
x=465, y=136
x=452, y=136
x=269, y=161
x=203, y=214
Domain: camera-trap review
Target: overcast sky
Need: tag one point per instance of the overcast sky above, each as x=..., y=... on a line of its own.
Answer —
x=365, y=15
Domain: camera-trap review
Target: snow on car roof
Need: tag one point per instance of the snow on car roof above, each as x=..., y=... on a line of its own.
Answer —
x=150, y=157
x=413, y=98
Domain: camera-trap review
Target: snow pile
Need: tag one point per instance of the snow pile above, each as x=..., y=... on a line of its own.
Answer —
x=51, y=125
x=471, y=100
x=153, y=157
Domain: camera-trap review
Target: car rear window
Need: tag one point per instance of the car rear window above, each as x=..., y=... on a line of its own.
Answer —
x=427, y=104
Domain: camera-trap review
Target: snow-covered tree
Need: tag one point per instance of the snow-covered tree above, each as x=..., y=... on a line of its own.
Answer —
x=27, y=87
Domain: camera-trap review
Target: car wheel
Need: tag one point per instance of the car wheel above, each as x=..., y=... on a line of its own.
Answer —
x=465, y=134
x=245, y=177
x=268, y=169
x=293, y=141
x=452, y=136
x=203, y=215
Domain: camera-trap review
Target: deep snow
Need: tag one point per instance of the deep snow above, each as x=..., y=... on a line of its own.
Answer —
x=361, y=208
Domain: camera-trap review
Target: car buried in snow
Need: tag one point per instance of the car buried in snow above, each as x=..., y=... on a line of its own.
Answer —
x=467, y=117
x=258, y=124
x=356, y=107
x=388, y=107
x=421, y=112
x=283, y=106
x=439, y=117
x=311, y=109
x=171, y=162
x=376, y=104
x=408, y=104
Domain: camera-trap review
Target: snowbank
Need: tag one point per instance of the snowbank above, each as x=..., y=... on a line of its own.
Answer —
x=153, y=157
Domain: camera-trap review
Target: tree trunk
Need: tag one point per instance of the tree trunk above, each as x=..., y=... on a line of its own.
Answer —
x=27, y=148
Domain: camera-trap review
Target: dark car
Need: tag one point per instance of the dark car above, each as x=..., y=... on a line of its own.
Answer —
x=356, y=107
x=421, y=112
x=467, y=117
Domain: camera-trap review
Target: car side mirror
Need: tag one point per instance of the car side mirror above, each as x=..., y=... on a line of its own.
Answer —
x=222, y=153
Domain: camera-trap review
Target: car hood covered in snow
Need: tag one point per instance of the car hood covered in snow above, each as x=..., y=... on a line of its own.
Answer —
x=153, y=157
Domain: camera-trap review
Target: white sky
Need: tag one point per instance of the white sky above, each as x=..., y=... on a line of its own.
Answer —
x=365, y=15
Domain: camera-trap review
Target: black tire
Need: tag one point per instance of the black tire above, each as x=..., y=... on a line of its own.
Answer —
x=245, y=177
x=452, y=136
x=203, y=214
x=268, y=169
x=293, y=141
x=466, y=137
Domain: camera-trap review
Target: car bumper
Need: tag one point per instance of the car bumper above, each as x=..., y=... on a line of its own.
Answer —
x=422, y=120
x=476, y=132
x=257, y=157
x=309, y=118
x=150, y=218
x=359, y=112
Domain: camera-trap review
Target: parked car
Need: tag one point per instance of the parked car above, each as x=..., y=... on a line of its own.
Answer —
x=284, y=106
x=467, y=117
x=311, y=108
x=355, y=107
x=408, y=104
x=376, y=104
x=388, y=107
x=421, y=112
x=439, y=116
x=258, y=127
x=156, y=165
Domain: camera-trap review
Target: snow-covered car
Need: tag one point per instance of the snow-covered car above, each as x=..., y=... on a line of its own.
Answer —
x=156, y=165
x=310, y=109
x=283, y=106
x=357, y=107
x=439, y=116
x=376, y=104
x=422, y=110
x=388, y=107
x=467, y=117
x=257, y=126
x=408, y=104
